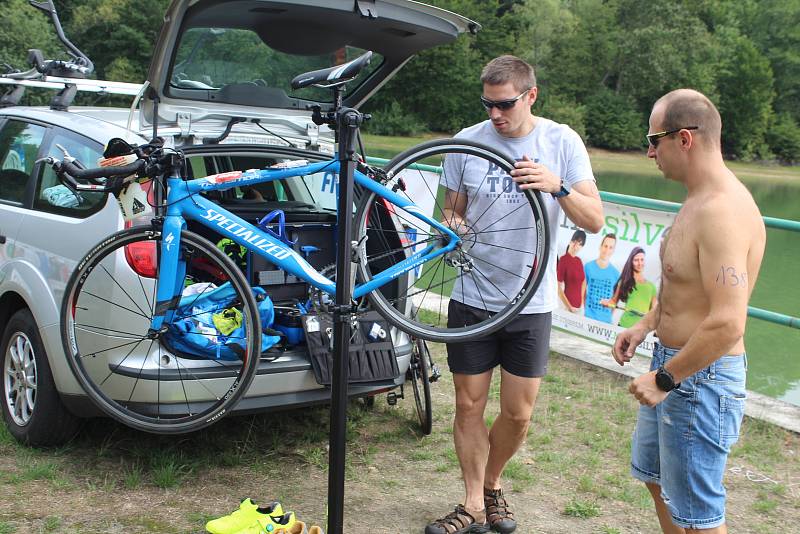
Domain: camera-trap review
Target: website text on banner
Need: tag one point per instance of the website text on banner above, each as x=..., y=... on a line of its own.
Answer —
x=608, y=281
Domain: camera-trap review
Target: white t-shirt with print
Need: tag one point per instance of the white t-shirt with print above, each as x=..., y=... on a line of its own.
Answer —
x=495, y=202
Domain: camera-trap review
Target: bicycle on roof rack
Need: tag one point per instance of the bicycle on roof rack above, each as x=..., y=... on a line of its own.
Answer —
x=132, y=299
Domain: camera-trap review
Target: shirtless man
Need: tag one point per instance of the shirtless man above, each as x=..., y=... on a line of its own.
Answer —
x=692, y=400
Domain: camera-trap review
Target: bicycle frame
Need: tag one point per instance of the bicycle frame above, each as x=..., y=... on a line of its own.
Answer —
x=184, y=203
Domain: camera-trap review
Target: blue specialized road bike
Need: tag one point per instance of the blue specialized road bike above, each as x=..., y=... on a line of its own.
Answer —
x=159, y=312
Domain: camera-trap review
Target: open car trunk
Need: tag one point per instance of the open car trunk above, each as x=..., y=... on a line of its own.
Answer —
x=307, y=205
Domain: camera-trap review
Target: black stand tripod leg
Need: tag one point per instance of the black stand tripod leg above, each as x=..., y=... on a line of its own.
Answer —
x=348, y=121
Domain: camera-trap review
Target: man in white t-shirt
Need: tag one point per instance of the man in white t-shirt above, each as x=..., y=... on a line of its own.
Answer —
x=550, y=158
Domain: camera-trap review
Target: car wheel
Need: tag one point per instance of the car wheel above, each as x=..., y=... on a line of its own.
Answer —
x=32, y=408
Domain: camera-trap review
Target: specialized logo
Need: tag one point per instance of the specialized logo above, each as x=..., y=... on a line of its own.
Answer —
x=169, y=240
x=276, y=251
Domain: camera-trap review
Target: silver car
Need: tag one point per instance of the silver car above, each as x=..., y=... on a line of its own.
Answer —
x=218, y=88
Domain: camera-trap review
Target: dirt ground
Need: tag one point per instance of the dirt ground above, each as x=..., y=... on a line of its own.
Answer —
x=570, y=477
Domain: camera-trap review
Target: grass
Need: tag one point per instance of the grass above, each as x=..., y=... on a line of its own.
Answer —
x=581, y=509
x=570, y=475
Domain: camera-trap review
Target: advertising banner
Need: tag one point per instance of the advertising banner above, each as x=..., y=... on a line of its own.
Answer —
x=609, y=280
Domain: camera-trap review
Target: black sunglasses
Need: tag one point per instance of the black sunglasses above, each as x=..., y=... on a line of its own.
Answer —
x=502, y=105
x=654, y=137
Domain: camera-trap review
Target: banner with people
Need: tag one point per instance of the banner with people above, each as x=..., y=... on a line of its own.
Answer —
x=609, y=280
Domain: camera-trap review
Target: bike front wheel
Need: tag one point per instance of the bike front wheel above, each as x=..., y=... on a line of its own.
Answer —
x=495, y=268
x=190, y=372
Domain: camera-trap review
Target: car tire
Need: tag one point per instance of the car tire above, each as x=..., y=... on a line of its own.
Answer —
x=32, y=408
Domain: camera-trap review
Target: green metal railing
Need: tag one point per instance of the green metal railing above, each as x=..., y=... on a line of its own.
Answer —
x=673, y=207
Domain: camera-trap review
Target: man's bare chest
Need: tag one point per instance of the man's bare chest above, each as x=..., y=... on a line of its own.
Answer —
x=679, y=257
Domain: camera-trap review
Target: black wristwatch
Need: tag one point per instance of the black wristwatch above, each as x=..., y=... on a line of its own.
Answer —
x=665, y=381
x=564, y=191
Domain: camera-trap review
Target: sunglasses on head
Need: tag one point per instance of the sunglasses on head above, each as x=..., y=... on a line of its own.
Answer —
x=653, y=138
x=502, y=105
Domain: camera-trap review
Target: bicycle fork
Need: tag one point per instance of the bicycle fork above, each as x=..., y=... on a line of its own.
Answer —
x=170, y=275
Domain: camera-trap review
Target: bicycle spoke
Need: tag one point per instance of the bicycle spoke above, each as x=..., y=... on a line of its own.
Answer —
x=86, y=327
x=501, y=218
x=494, y=245
x=144, y=292
x=118, y=306
x=114, y=370
x=113, y=279
x=95, y=353
x=131, y=380
x=487, y=262
x=492, y=283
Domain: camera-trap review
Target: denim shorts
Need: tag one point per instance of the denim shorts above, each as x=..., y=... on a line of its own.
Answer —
x=683, y=443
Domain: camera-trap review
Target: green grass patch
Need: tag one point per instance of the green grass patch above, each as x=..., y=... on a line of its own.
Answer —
x=582, y=509
x=765, y=505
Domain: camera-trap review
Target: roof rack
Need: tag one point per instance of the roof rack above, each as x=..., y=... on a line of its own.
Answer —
x=92, y=86
x=67, y=89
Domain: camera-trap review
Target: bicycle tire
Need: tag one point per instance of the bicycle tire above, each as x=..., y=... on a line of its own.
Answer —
x=402, y=307
x=418, y=375
x=169, y=391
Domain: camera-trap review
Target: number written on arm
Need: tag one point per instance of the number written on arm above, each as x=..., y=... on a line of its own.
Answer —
x=729, y=276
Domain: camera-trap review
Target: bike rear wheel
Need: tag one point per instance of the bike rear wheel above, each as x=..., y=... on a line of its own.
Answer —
x=195, y=368
x=496, y=268
x=419, y=376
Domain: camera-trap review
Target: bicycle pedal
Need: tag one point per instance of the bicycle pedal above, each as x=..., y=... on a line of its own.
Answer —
x=391, y=398
x=435, y=374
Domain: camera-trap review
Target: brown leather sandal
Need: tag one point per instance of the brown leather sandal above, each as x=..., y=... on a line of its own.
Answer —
x=459, y=521
x=498, y=515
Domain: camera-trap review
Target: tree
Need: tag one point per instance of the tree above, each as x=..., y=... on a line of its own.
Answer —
x=745, y=95
x=774, y=27
x=442, y=84
x=583, y=51
x=118, y=35
x=613, y=122
x=662, y=47
x=783, y=137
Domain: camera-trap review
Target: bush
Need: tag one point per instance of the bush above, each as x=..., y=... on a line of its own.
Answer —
x=783, y=138
x=613, y=122
x=566, y=112
x=393, y=120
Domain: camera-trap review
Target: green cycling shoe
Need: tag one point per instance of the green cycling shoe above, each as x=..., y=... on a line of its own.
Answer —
x=247, y=514
x=272, y=524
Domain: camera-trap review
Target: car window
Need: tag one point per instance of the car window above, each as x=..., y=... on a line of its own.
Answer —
x=210, y=59
x=54, y=197
x=19, y=146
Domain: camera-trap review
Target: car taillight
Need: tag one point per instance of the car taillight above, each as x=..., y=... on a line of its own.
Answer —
x=142, y=256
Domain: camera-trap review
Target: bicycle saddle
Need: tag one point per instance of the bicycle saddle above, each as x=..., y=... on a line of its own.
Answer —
x=332, y=75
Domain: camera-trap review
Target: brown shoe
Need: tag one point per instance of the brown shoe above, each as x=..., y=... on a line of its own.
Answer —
x=459, y=521
x=498, y=514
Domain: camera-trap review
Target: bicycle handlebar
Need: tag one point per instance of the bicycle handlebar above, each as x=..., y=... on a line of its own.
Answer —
x=68, y=174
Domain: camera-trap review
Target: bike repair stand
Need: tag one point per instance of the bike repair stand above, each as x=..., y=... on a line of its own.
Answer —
x=347, y=122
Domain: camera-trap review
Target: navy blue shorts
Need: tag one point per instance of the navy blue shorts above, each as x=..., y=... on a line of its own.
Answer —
x=522, y=347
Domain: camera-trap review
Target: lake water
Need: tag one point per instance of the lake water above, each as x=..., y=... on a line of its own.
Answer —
x=773, y=351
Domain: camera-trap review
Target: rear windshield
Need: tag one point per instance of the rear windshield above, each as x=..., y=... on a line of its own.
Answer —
x=210, y=59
